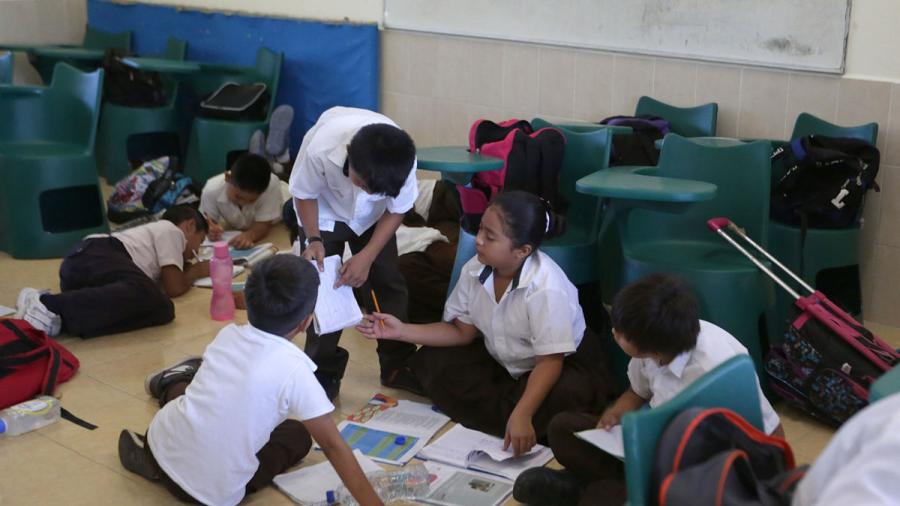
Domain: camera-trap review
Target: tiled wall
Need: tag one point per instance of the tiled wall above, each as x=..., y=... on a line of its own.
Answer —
x=436, y=86
x=43, y=22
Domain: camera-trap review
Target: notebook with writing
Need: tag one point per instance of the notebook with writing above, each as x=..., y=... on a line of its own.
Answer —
x=336, y=308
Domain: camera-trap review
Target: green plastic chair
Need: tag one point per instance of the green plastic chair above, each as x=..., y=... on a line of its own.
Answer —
x=699, y=121
x=657, y=237
x=212, y=139
x=731, y=385
x=119, y=122
x=6, y=68
x=93, y=39
x=49, y=192
x=824, y=249
x=576, y=251
x=887, y=384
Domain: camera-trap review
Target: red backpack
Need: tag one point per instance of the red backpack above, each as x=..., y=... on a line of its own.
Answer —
x=31, y=363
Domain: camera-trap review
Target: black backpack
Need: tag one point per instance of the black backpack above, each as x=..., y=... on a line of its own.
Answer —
x=639, y=147
x=712, y=457
x=825, y=182
x=127, y=86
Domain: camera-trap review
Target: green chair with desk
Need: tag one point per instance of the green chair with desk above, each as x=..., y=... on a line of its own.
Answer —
x=49, y=191
x=660, y=215
x=118, y=123
x=94, y=39
x=888, y=384
x=731, y=385
x=6, y=68
x=827, y=259
x=576, y=251
x=699, y=121
x=211, y=139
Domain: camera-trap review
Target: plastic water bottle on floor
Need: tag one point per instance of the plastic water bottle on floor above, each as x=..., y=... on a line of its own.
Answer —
x=221, y=270
x=28, y=416
x=410, y=482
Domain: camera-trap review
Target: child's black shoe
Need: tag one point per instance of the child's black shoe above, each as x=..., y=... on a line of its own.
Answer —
x=541, y=486
x=156, y=382
x=134, y=456
x=403, y=378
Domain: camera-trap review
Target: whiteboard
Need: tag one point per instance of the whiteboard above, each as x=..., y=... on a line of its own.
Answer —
x=794, y=34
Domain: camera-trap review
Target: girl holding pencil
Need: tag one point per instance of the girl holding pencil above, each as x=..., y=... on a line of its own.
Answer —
x=513, y=349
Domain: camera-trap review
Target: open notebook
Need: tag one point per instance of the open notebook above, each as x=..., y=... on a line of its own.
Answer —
x=246, y=257
x=470, y=449
x=336, y=308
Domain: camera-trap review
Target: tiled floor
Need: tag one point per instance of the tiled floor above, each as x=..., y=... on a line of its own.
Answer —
x=65, y=464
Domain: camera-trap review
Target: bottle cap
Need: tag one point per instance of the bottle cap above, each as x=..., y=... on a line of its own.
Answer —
x=400, y=440
x=2, y=426
x=220, y=249
x=329, y=496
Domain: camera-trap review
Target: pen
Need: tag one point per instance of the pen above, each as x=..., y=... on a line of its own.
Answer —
x=196, y=256
x=377, y=308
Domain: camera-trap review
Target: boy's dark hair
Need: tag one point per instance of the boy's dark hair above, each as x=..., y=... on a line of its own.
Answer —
x=525, y=218
x=658, y=314
x=382, y=156
x=280, y=293
x=251, y=173
x=181, y=213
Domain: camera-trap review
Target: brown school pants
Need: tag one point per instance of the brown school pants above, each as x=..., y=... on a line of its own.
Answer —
x=601, y=474
x=287, y=445
x=473, y=389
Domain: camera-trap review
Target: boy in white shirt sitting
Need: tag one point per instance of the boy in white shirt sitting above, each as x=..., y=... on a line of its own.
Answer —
x=123, y=281
x=223, y=429
x=656, y=322
x=247, y=197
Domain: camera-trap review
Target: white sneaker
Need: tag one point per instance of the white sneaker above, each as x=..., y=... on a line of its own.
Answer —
x=32, y=310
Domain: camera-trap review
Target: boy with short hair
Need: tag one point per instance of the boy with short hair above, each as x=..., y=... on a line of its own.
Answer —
x=247, y=197
x=122, y=281
x=223, y=429
x=656, y=322
x=352, y=182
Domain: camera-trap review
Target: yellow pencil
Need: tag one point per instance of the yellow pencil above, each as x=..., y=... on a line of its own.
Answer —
x=377, y=307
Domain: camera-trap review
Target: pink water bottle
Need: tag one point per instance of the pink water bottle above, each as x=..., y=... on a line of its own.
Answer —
x=221, y=270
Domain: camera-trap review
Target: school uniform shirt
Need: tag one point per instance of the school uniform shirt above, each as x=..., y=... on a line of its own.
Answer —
x=214, y=204
x=250, y=381
x=152, y=246
x=659, y=383
x=538, y=314
x=859, y=465
x=318, y=173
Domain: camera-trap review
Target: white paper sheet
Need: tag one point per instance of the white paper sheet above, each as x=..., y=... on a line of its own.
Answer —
x=336, y=309
x=609, y=441
x=309, y=485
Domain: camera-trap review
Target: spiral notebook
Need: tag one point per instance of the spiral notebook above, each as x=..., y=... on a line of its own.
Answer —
x=336, y=308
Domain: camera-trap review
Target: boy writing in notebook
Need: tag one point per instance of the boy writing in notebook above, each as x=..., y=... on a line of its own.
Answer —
x=248, y=197
x=122, y=281
x=656, y=322
x=223, y=429
x=354, y=178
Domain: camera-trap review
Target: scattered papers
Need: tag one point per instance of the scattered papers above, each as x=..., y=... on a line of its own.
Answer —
x=6, y=311
x=309, y=485
x=336, y=308
x=609, y=441
x=248, y=257
x=235, y=286
x=458, y=487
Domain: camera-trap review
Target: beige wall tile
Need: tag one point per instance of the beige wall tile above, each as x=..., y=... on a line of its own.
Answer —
x=674, y=82
x=632, y=77
x=889, y=203
x=423, y=64
x=891, y=133
x=863, y=102
x=521, y=76
x=453, y=72
x=763, y=98
x=390, y=105
x=394, y=61
x=593, y=85
x=452, y=128
x=721, y=84
x=814, y=94
x=414, y=114
x=557, y=82
x=484, y=75
x=882, y=305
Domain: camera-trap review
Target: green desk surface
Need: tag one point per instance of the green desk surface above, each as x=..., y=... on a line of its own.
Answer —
x=69, y=53
x=164, y=65
x=18, y=47
x=455, y=160
x=638, y=187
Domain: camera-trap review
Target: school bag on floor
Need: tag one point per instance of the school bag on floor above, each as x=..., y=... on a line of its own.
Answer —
x=712, y=457
x=639, y=147
x=150, y=189
x=825, y=183
x=532, y=162
x=827, y=360
x=33, y=364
